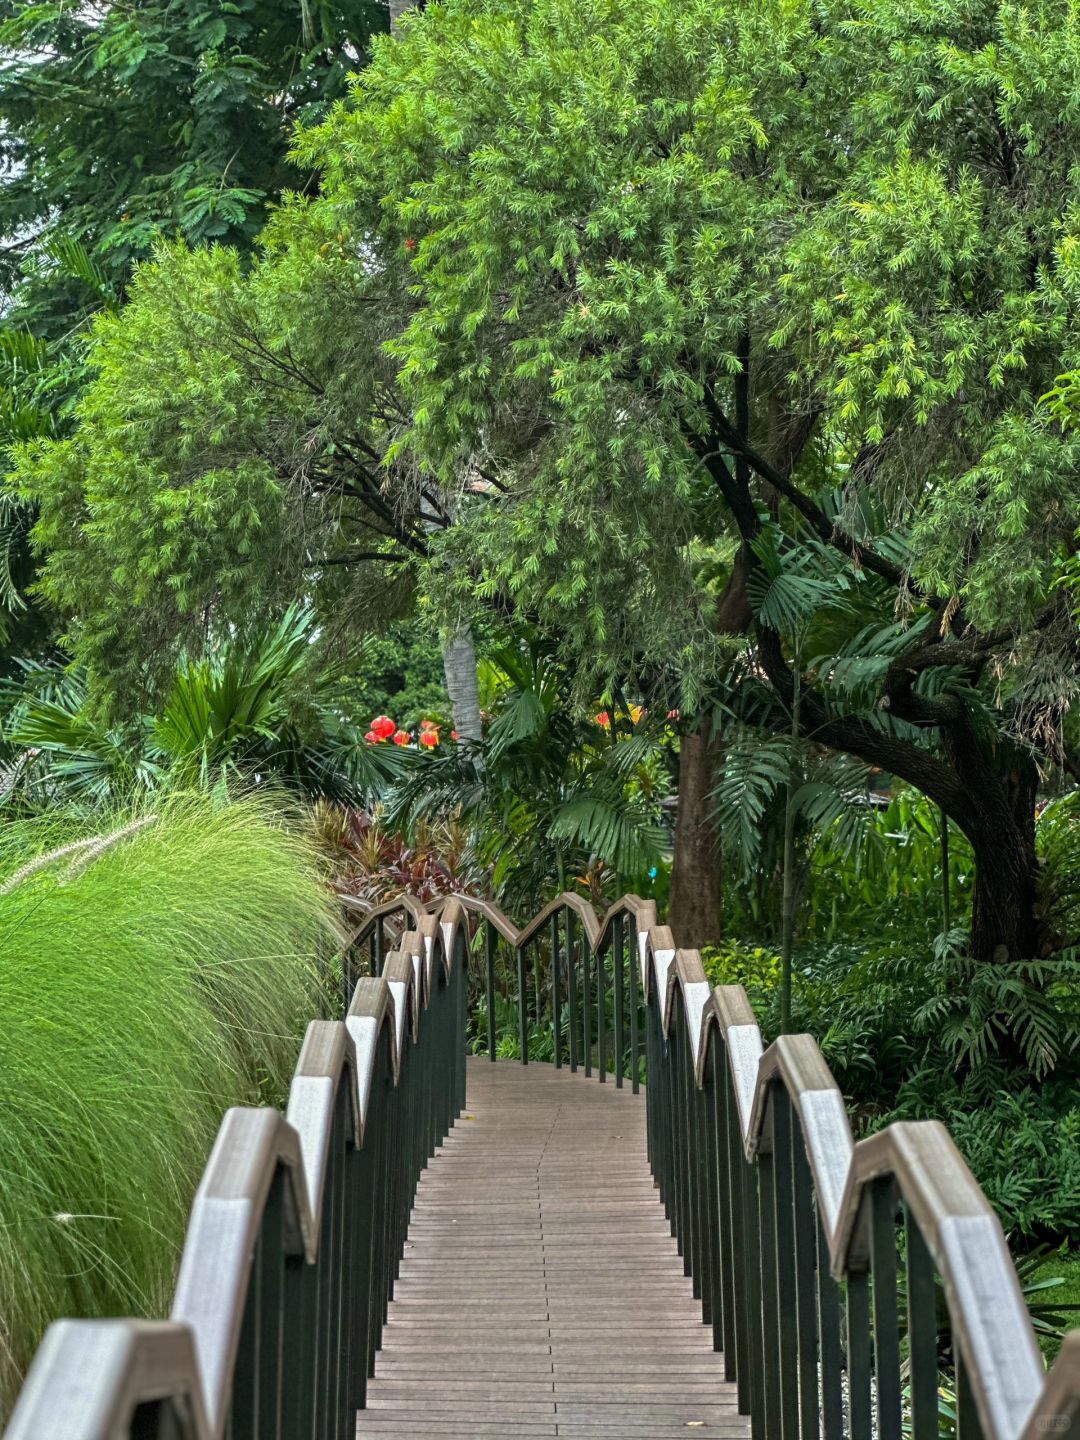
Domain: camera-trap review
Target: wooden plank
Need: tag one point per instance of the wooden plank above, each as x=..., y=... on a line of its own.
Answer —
x=541, y=1293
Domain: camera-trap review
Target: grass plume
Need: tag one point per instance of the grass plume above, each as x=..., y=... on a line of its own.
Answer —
x=165, y=973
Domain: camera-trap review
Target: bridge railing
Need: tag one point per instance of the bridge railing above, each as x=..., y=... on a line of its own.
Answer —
x=295, y=1235
x=842, y=1280
x=835, y=1320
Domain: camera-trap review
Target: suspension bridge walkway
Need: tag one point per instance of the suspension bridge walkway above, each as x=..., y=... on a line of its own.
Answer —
x=665, y=1228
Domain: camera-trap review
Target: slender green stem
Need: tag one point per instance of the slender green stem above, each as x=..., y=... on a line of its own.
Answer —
x=787, y=943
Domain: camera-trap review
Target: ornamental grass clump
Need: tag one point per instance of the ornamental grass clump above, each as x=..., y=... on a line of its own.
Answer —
x=148, y=979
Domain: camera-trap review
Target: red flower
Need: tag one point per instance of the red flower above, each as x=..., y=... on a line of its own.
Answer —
x=603, y=719
x=454, y=735
x=401, y=737
x=410, y=244
x=382, y=727
x=673, y=714
x=428, y=725
x=371, y=737
x=429, y=738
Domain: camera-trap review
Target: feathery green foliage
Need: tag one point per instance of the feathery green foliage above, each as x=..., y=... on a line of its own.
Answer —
x=154, y=971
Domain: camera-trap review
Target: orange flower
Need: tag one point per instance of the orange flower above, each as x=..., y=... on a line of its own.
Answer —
x=603, y=719
x=429, y=738
x=401, y=737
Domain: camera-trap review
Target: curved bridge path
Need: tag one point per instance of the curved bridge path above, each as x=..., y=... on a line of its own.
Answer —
x=541, y=1292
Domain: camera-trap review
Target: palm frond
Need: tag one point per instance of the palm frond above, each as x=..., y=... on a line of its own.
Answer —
x=623, y=834
x=756, y=769
x=789, y=587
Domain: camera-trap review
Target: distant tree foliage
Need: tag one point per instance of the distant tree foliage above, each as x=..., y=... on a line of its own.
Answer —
x=119, y=121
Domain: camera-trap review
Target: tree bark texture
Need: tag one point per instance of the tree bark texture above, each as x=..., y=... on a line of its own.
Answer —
x=459, y=668
x=696, y=872
x=397, y=9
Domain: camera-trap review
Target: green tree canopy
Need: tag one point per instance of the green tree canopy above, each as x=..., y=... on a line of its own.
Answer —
x=801, y=273
x=625, y=290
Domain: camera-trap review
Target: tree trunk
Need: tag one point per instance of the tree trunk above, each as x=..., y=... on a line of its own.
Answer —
x=696, y=871
x=1005, y=923
x=459, y=667
x=397, y=9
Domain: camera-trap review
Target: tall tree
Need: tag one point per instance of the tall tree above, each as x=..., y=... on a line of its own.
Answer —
x=234, y=453
x=121, y=121
x=626, y=224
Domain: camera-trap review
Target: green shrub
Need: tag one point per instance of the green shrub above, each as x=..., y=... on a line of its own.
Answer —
x=148, y=980
x=753, y=967
x=1023, y=1146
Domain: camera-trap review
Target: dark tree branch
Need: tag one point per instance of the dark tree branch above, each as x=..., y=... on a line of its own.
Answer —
x=823, y=527
x=356, y=555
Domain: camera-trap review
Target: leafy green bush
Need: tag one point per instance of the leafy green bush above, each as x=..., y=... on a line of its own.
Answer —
x=754, y=967
x=242, y=712
x=152, y=974
x=890, y=887
x=1023, y=1146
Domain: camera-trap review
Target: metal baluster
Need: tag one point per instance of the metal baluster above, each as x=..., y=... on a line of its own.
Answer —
x=635, y=1057
x=968, y=1425
x=830, y=1353
x=733, y=1234
x=806, y=1232
x=556, y=997
x=770, y=1298
x=571, y=989
x=361, y=1184
x=489, y=968
x=858, y=1354
x=713, y=1210
x=586, y=1003
x=538, y=993
x=705, y=1225
x=886, y=1321
x=523, y=1018
x=786, y=1295
x=753, y=1283
x=601, y=1006
x=617, y=971
x=921, y=1334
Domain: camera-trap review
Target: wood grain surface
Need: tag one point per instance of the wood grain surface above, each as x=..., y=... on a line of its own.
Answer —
x=541, y=1293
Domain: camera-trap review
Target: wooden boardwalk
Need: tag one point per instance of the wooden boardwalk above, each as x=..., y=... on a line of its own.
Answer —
x=541, y=1293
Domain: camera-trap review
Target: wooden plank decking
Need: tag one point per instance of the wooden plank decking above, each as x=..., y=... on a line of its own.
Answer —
x=541, y=1293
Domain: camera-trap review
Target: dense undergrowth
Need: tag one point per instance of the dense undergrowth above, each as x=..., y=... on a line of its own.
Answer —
x=154, y=969
x=913, y=1028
